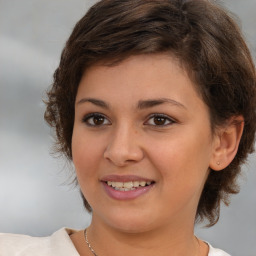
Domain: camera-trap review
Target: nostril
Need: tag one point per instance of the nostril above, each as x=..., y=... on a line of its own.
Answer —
x=123, y=155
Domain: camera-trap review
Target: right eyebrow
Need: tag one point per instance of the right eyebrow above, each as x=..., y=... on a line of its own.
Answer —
x=96, y=102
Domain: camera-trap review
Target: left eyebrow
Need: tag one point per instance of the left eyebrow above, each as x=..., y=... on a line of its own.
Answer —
x=142, y=104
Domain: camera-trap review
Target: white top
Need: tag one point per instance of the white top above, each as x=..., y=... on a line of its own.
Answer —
x=59, y=243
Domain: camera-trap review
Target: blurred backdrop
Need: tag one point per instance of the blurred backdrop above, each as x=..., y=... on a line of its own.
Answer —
x=36, y=194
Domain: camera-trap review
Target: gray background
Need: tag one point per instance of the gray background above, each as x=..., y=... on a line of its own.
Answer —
x=35, y=195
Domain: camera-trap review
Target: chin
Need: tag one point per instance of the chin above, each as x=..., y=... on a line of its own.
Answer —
x=130, y=223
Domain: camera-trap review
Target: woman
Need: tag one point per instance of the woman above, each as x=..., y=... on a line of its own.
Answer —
x=154, y=101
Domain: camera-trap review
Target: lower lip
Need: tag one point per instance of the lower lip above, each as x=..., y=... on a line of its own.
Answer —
x=126, y=195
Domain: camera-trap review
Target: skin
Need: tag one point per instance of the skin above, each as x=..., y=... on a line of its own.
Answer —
x=175, y=153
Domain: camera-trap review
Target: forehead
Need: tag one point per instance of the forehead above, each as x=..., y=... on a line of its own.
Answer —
x=139, y=78
x=141, y=67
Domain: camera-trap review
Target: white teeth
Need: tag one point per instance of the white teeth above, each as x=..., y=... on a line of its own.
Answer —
x=127, y=186
x=119, y=189
x=119, y=184
x=142, y=183
x=136, y=184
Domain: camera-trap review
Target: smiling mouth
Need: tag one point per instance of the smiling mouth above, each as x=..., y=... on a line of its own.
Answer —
x=128, y=186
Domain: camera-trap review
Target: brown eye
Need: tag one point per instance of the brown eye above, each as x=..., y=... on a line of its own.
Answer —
x=96, y=120
x=160, y=120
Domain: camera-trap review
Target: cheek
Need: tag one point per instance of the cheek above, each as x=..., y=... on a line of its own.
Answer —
x=85, y=162
x=182, y=159
x=85, y=156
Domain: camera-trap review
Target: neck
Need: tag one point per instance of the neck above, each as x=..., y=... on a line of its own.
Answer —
x=168, y=240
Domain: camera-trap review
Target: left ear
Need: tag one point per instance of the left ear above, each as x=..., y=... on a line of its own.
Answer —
x=226, y=143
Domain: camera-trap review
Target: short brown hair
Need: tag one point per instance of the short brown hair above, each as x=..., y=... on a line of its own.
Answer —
x=201, y=34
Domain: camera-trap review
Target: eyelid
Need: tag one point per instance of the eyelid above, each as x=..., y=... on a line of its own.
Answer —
x=95, y=114
x=170, y=119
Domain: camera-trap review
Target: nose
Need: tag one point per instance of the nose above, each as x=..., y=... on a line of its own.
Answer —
x=124, y=147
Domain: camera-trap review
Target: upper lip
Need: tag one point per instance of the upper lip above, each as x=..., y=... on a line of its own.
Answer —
x=124, y=178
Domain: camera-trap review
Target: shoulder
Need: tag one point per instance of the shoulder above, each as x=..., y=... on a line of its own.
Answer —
x=59, y=243
x=216, y=252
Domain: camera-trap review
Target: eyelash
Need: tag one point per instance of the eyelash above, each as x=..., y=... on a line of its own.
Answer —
x=96, y=116
x=87, y=118
x=163, y=117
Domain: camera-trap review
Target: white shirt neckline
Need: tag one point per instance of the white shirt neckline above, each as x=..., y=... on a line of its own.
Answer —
x=58, y=244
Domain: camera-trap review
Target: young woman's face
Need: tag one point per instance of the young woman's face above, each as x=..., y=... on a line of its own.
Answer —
x=142, y=143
